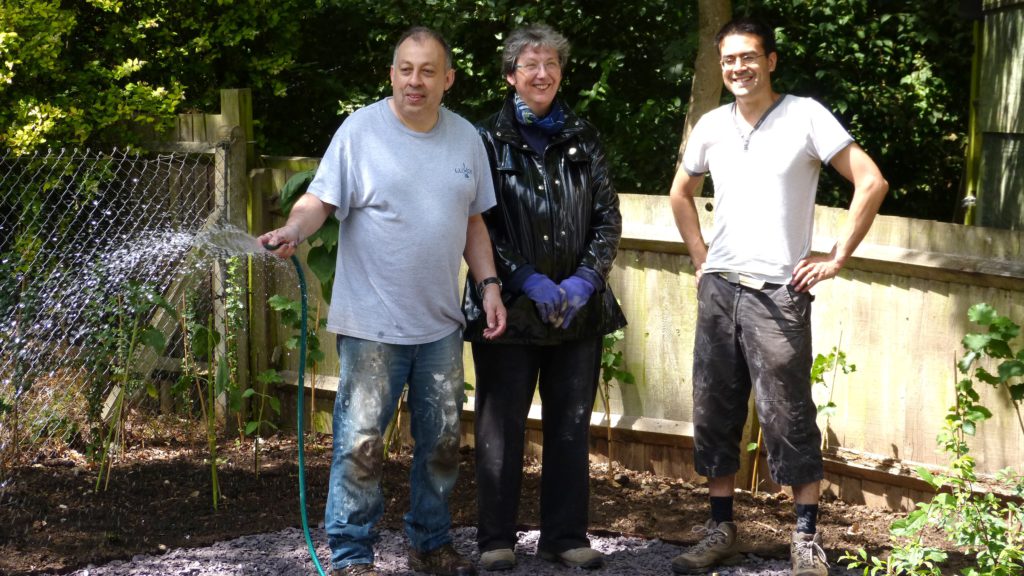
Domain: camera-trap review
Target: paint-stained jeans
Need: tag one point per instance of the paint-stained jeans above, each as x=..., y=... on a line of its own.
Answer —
x=760, y=336
x=372, y=378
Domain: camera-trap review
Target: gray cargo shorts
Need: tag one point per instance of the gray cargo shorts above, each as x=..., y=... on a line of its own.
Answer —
x=761, y=336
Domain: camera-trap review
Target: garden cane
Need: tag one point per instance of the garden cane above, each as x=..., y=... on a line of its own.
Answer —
x=299, y=402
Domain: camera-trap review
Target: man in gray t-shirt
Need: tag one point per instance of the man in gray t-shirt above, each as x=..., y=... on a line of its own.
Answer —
x=407, y=180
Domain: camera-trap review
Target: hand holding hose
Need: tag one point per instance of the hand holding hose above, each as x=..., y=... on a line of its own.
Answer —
x=282, y=241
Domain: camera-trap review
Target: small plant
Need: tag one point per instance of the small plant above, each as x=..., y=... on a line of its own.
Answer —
x=291, y=316
x=612, y=362
x=199, y=341
x=985, y=526
x=835, y=361
x=266, y=379
x=118, y=342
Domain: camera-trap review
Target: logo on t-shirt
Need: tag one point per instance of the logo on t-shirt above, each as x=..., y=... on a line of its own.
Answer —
x=465, y=171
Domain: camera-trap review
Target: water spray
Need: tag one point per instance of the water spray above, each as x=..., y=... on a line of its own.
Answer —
x=299, y=410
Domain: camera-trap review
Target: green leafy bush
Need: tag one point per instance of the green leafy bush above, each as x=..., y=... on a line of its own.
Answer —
x=987, y=527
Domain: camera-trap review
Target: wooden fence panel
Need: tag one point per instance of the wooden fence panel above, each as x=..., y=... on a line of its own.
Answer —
x=898, y=311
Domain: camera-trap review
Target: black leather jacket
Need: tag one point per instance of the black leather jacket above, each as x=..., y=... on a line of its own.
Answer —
x=554, y=214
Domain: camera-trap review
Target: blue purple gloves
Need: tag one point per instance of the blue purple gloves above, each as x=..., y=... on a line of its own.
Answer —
x=577, y=292
x=558, y=304
x=546, y=295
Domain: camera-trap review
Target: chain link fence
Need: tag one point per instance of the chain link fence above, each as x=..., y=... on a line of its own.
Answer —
x=92, y=247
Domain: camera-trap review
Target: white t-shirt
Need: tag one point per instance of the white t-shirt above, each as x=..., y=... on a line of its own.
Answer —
x=764, y=194
x=403, y=199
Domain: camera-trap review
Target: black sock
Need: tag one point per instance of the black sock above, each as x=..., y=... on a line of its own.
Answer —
x=807, y=518
x=721, y=509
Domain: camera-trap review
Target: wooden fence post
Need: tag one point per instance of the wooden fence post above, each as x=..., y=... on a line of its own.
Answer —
x=239, y=152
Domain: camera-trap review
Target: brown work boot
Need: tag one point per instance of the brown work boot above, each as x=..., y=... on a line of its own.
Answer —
x=443, y=561
x=717, y=542
x=807, y=555
x=356, y=570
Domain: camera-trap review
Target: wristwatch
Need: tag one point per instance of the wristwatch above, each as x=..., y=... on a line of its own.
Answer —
x=483, y=284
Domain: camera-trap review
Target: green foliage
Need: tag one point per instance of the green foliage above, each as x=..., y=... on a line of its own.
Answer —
x=613, y=360
x=266, y=378
x=291, y=316
x=111, y=352
x=629, y=71
x=823, y=364
x=987, y=527
x=612, y=370
x=74, y=72
x=897, y=74
x=323, y=244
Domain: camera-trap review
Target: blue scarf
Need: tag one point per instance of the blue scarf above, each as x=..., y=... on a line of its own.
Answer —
x=549, y=124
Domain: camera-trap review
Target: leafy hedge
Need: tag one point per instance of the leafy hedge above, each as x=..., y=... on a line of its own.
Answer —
x=896, y=72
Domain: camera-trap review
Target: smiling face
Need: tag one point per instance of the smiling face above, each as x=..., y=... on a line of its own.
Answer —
x=746, y=69
x=536, y=78
x=419, y=78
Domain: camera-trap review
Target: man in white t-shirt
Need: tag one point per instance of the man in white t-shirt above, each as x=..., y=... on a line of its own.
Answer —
x=408, y=181
x=764, y=153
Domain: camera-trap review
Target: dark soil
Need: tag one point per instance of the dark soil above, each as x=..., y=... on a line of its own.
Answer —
x=53, y=520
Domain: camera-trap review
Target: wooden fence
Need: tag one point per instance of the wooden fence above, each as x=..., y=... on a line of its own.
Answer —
x=898, y=311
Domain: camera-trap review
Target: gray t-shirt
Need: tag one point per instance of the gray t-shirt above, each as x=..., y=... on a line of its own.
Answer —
x=765, y=184
x=404, y=199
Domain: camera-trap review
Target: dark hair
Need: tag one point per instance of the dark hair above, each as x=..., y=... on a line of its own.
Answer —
x=419, y=34
x=537, y=36
x=751, y=26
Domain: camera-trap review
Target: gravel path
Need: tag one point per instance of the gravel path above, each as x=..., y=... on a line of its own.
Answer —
x=284, y=553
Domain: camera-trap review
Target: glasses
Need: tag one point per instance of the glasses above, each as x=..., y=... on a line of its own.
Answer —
x=745, y=59
x=532, y=68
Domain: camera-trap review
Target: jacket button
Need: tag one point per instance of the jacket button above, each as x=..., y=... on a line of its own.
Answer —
x=545, y=237
x=540, y=187
x=572, y=150
x=563, y=232
x=556, y=181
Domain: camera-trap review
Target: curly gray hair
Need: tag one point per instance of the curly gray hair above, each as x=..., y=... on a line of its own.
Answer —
x=536, y=36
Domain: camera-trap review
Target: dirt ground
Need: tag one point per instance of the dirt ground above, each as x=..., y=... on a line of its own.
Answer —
x=159, y=498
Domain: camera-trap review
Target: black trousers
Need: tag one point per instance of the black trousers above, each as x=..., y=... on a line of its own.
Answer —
x=506, y=377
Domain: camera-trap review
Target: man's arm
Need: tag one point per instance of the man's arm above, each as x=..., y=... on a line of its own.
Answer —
x=684, y=210
x=307, y=216
x=480, y=259
x=869, y=189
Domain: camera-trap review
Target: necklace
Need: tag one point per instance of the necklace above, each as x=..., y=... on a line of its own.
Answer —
x=746, y=138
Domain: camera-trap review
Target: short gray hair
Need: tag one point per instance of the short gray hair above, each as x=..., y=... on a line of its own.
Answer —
x=420, y=34
x=535, y=36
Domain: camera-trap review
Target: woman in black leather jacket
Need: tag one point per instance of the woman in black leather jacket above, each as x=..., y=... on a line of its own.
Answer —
x=555, y=232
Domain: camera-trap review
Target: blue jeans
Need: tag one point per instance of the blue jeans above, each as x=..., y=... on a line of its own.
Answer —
x=373, y=375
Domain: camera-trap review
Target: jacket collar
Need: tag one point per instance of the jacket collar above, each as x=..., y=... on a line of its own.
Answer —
x=507, y=129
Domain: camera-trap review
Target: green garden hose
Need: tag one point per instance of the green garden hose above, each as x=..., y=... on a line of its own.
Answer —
x=299, y=410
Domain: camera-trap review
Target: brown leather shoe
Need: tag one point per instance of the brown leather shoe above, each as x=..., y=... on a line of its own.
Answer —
x=443, y=561
x=356, y=570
